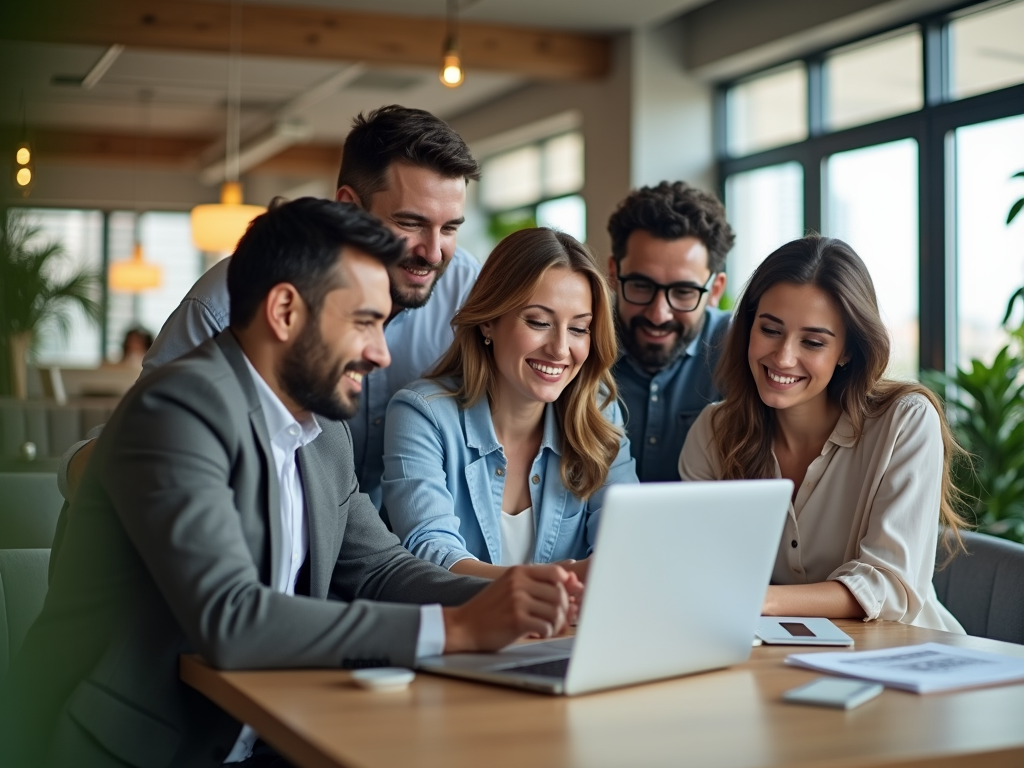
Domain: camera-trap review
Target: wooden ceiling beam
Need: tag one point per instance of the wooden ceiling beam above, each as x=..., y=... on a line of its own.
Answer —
x=104, y=149
x=313, y=33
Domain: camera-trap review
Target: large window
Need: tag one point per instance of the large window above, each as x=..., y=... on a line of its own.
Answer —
x=871, y=200
x=990, y=255
x=536, y=185
x=766, y=211
x=902, y=144
x=94, y=239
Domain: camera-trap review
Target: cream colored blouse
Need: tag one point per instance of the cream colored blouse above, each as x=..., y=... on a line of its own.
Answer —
x=866, y=513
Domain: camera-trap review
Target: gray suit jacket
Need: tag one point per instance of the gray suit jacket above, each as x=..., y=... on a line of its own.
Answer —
x=169, y=549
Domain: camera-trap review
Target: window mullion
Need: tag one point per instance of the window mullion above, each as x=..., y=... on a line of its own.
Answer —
x=935, y=36
x=816, y=97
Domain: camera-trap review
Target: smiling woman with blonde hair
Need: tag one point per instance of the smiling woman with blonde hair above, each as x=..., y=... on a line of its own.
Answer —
x=501, y=455
x=806, y=398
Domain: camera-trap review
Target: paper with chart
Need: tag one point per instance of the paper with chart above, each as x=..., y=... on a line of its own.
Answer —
x=922, y=668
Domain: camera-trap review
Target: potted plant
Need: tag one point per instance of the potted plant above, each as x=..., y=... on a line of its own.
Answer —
x=985, y=405
x=33, y=299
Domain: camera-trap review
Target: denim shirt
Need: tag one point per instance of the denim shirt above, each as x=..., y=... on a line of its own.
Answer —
x=661, y=407
x=416, y=339
x=444, y=477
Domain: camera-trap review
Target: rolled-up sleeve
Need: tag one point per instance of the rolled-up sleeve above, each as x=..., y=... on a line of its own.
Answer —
x=891, y=577
x=419, y=504
x=622, y=470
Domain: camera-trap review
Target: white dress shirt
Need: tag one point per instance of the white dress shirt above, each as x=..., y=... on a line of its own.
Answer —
x=286, y=437
x=866, y=514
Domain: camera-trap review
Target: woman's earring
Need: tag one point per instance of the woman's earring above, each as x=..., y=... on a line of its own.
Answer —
x=487, y=341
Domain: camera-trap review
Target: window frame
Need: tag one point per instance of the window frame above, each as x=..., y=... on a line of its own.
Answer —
x=932, y=127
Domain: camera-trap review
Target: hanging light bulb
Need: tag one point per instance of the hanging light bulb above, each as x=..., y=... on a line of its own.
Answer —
x=217, y=227
x=24, y=160
x=452, y=73
x=451, y=66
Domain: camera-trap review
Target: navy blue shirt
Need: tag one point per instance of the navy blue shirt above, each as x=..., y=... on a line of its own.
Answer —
x=659, y=408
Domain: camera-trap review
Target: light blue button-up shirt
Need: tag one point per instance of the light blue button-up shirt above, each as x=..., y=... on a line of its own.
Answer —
x=444, y=477
x=416, y=339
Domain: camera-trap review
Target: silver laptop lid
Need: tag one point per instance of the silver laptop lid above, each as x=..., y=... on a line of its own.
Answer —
x=677, y=581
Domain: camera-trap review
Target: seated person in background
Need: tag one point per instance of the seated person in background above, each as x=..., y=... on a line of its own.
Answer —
x=502, y=455
x=137, y=341
x=220, y=510
x=805, y=399
x=667, y=268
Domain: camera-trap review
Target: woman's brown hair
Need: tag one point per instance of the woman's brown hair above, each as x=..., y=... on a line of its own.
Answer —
x=744, y=427
x=509, y=277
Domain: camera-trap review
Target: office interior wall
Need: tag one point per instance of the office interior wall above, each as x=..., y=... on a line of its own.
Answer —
x=671, y=113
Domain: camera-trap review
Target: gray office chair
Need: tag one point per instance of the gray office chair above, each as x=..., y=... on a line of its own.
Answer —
x=984, y=589
x=29, y=506
x=23, y=583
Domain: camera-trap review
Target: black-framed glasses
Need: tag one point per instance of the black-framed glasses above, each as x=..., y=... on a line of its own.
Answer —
x=682, y=297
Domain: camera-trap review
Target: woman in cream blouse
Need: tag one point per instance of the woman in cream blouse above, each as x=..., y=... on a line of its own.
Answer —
x=805, y=399
x=501, y=456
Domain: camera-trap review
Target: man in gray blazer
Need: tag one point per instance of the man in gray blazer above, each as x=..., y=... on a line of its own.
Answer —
x=219, y=515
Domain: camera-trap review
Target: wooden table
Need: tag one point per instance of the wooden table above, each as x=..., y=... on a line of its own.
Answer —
x=732, y=717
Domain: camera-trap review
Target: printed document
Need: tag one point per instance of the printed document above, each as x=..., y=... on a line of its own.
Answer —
x=922, y=668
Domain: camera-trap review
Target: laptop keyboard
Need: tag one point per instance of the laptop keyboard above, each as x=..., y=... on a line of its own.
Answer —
x=556, y=668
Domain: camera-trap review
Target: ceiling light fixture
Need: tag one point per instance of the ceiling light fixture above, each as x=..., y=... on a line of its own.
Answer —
x=135, y=274
x=452, y=73
x=24, y=158
x=217, y=227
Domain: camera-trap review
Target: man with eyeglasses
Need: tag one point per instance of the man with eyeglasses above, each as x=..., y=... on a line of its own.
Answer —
x=667, y=267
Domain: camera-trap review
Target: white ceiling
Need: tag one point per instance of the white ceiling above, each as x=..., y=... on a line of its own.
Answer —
x=188, y=90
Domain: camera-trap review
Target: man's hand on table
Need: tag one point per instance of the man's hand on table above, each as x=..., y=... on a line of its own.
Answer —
x=527, y=599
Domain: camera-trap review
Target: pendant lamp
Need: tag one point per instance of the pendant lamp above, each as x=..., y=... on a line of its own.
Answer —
x=217, y=227
x=135, y=275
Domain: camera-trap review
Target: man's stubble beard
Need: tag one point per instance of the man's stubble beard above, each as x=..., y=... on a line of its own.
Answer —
x=656, y=357
x=311, y=379
x=413, y=300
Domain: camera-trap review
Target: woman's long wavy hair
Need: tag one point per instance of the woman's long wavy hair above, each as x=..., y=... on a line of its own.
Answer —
x=507, y=281
x=744, y=427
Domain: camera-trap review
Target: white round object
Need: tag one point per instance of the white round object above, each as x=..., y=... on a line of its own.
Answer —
x=383, y=678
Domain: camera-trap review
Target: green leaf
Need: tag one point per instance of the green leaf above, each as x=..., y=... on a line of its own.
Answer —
x=1014, y=210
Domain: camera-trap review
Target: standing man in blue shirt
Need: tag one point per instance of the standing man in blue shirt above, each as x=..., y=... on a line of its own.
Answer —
x=410, y=169
x=667, y=267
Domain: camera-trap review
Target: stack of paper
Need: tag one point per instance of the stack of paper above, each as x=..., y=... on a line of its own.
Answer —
x=919, y=668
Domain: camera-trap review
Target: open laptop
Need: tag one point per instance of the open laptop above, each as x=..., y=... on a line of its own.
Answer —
x=676, y=586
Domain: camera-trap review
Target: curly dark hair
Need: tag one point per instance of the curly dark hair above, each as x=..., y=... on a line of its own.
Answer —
x=399, y=134
x=670, y=211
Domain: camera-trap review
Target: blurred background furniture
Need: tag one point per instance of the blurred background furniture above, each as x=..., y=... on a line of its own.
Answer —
x=52, y=428
x=984, y=588
x=29, y=509
x=23, y=584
